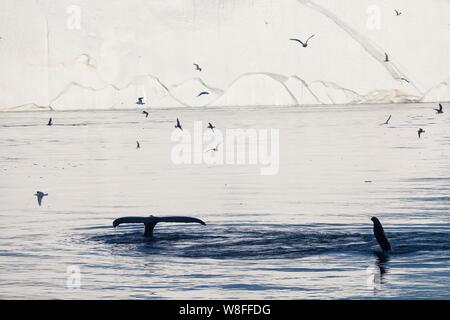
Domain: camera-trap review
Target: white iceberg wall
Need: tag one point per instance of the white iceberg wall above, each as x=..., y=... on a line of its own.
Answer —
x=79, y=97
x=300, y=89
x=81, y=69
x=26, y=107
x=188, y=92
x=115, y=43
x=388, y=96
x=23, y=54
x=257, y=89
x=331, y=93
x=154, y=92
x=439, y=93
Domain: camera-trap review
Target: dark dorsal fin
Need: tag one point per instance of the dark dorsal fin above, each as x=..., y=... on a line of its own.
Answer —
x=379, y=234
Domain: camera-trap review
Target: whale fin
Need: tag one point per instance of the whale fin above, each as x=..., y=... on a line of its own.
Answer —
x=119, y=221
x=150, y=222
x=379, y=234
x=181, y=219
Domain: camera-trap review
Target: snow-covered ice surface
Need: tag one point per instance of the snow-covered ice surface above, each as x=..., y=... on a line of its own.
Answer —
x=103, y=54
x=303, y=233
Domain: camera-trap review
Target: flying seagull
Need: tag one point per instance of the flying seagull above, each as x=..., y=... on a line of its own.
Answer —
x=146, y=113
x=140, y=101
x=202, y=93
x=151, y=221
x=178, y=125
x=420, y=131
x=386, y=57
x=197, y=67
x=304, y=44
x=214, y=149
x=50, y=122
x=398, y=13
x=40, y=195
x=440, y=109
x=210, y=126
x=404, y=79
x=138, y=145
x=387, y=121
x=378, y=232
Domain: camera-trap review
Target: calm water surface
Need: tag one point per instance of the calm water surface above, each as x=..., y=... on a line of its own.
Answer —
x=302, y=233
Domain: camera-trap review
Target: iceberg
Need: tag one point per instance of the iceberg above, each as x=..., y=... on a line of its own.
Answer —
x=439, y=93
x=80, y=97
x=300, y=89
x=331, y=93
x=388, y=96
x=27, y=107
x=188, y=92
x=257, y=89
x=49, y=62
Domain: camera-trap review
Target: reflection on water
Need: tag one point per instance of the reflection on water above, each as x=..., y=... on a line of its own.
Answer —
x=303, y=233
x=382, y=261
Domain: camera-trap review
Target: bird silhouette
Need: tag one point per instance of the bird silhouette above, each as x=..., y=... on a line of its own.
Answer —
x=197, y=67
x=138, y=145
x=215, y=149
x=202, y=93
x=440, y=110
x=210, y=126
x=140, y=101
x=387, y=121
x=304, y=44
x=420, y=131
x=386, y=57
x=379, y=234
x=40, y=195
x=178, y=125
x=146, y=113
x=50, y=122
x=398, y=13
x=404, y=79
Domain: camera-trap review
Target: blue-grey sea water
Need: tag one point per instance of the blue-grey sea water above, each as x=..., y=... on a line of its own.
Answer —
x=303, y=233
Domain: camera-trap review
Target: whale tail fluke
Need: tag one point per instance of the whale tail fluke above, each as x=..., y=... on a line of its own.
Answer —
x=150, y=222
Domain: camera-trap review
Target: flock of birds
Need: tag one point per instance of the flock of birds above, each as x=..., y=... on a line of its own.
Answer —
x=40, y=195
x=141, y=102
x=210, y=126
x=151, y=221
x=304, y=44
x=439, y=110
